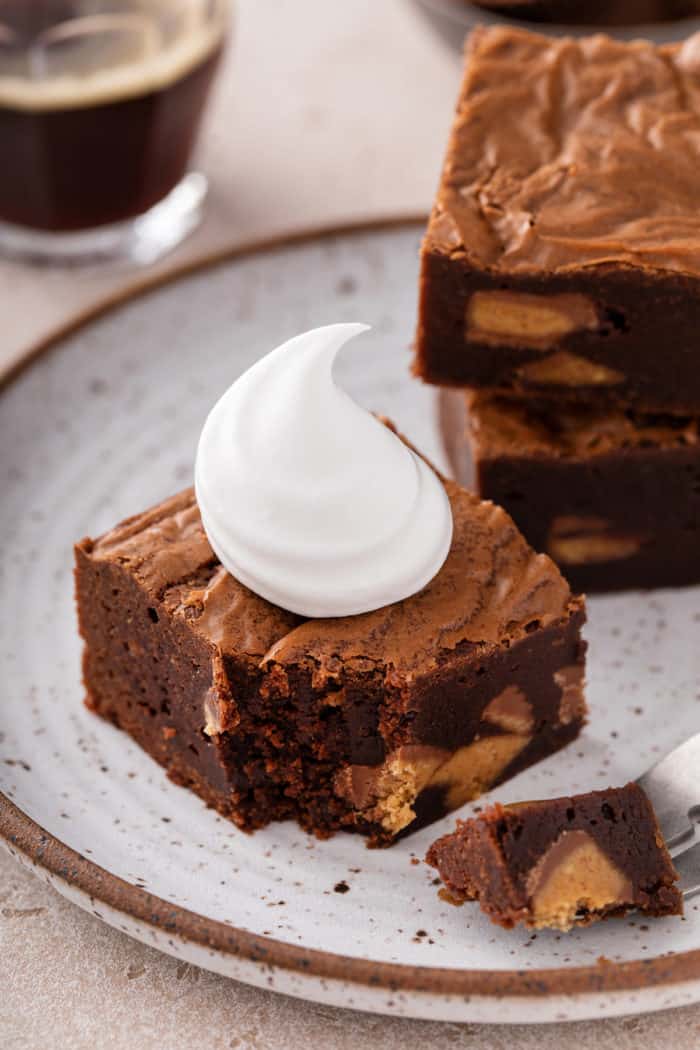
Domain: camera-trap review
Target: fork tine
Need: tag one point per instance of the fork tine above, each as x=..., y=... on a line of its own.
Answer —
x=687, y=864
x=673, y=788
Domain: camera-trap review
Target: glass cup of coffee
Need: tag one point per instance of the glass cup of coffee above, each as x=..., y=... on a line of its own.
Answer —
x=100, y=105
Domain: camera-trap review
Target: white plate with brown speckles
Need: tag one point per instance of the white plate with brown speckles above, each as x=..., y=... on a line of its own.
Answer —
x=104, y=423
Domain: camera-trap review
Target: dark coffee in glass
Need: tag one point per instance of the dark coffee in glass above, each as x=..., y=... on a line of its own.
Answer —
x=100, y=105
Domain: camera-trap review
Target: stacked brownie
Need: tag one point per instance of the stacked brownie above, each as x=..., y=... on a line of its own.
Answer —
x=560, y=299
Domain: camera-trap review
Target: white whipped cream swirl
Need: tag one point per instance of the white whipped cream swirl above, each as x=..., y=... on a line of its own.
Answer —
x=307, y=498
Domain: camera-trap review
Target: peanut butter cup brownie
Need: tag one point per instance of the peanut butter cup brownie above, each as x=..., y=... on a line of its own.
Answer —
x=424, y=651
x=377, y=722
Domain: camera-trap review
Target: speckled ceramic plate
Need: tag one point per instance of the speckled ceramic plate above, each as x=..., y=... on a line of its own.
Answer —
x=105, y=423
x=453, y=19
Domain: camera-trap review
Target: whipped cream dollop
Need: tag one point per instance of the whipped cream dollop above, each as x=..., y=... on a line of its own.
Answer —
x=307, y=498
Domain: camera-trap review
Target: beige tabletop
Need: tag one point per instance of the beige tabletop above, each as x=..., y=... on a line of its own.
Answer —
x=326, y=112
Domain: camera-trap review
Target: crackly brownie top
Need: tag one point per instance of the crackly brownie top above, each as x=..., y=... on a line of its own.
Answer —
x=501, y=425
x=492, y=586
x=567, y=153
x=167, y=550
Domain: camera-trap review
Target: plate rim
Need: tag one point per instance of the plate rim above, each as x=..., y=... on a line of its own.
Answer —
x=21, y=833
x=465, y=20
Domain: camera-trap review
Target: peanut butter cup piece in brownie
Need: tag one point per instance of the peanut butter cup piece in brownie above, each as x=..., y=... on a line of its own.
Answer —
x=378, y=722
x=563, y=862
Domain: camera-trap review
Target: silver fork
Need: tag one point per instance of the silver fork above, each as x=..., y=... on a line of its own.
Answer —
x=673, y=788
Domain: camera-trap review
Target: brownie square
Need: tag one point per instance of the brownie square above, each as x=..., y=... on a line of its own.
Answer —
x=613, y=496
x=562, y=256
x=563, y=862
x=376, y=723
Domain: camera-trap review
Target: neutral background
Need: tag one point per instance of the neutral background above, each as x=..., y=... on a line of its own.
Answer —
x=326, y=112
